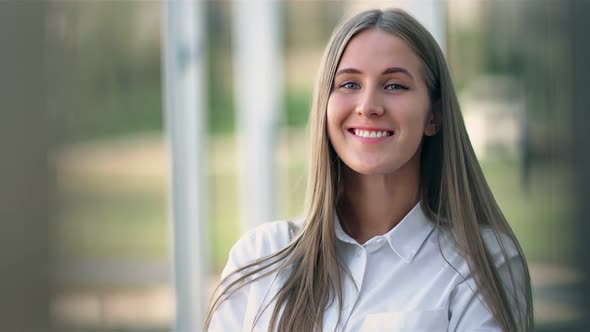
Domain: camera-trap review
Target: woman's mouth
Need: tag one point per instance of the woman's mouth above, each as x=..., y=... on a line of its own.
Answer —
x=370, y=133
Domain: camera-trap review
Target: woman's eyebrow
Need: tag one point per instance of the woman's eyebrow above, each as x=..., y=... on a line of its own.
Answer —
x=391, y=70
x=348, y=71
x=394, y=70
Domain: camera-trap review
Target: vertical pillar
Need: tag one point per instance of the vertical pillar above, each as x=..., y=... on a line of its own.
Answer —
x=257, y=86
x=185, y=96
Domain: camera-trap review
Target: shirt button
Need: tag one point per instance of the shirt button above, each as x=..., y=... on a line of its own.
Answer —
x=357, y=252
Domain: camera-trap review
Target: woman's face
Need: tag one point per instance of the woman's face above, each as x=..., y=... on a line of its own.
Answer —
x=379, y=107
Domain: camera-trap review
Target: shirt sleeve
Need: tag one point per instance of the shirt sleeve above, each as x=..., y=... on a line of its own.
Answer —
x=229, y=316
x=260, y=242
x=467, y=309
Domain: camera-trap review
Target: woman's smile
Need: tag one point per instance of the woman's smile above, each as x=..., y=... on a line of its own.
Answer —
x=371, y=134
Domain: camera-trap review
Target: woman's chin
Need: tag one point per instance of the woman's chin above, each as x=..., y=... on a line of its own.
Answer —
x=372, y=169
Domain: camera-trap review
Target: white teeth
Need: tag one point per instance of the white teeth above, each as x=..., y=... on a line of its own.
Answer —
x=370, y=133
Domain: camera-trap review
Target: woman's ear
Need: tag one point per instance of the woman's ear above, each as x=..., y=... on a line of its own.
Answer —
x=434, y=121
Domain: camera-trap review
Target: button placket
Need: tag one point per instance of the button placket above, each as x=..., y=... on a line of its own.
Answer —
x=358, y=264
x=353, y=286
x=350, y=256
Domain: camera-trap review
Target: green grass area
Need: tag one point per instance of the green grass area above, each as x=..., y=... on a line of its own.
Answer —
x=111, y=217
x=125, y=217
x=114, y=216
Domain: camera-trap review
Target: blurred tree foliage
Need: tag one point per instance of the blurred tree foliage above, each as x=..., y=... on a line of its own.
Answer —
x=528, y=42
x=104, y=66
x=104, y=63
x=220, y=62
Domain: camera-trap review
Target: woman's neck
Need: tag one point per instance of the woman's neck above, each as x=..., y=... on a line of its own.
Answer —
x=373, y=204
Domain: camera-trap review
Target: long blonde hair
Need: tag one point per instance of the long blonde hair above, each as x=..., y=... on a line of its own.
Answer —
x=453, y=192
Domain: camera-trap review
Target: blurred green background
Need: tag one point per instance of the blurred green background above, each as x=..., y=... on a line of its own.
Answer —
x=111, y=156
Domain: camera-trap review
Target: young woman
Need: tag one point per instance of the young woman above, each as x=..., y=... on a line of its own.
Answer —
x=401, y=231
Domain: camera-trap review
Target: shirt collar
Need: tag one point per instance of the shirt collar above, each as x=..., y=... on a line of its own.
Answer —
x=405, y=239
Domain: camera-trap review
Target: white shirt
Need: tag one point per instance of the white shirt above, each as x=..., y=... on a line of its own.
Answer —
x=400, y=281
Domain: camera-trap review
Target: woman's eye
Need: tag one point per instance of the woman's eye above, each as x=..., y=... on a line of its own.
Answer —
x=350, y=85
x=395, y=86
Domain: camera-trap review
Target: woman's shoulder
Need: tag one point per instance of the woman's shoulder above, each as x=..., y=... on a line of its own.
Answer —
x=501, y=247
x=261, y=241
x=269, y=237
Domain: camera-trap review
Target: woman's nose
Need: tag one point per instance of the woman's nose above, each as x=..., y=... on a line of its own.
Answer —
x=370, y=104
